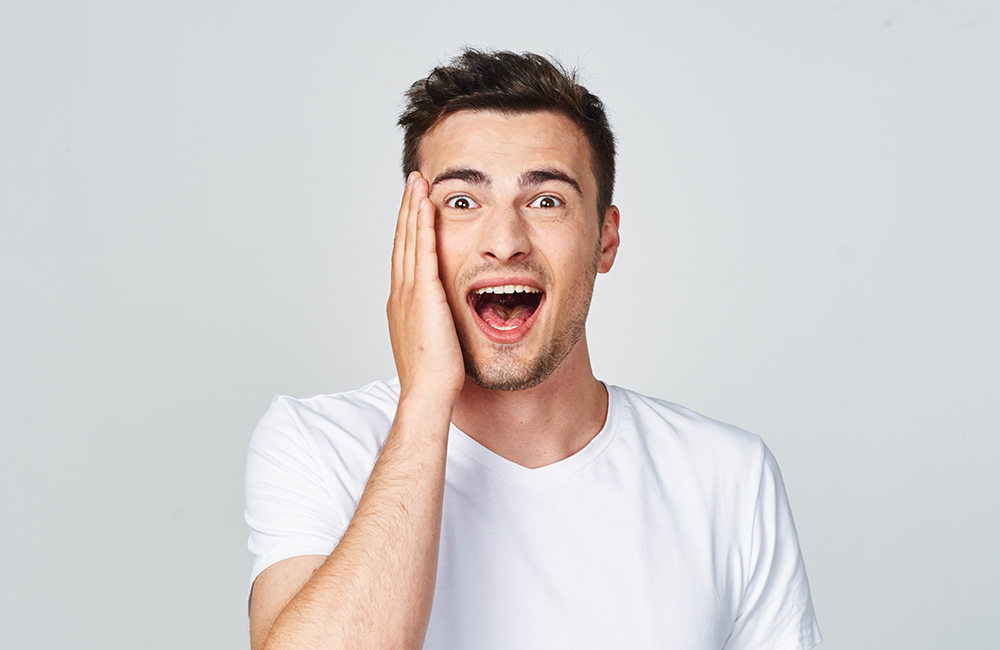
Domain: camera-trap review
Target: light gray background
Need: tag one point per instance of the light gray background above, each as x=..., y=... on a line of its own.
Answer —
x=197, y=202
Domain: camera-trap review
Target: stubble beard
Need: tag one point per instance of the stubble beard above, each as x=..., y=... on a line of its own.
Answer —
x=508, y=372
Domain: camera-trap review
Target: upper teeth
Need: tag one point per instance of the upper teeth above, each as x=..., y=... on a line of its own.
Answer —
x=509, y=288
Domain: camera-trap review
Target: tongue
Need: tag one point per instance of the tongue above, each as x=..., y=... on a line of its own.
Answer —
x=501, y=318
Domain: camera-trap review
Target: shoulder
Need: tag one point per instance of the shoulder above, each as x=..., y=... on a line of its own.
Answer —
x=377, y=397
x=684, y=429
x=714, y=463
x=352, y=422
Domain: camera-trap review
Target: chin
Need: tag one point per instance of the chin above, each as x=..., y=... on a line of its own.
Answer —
x=507, y=377
x=508, y=371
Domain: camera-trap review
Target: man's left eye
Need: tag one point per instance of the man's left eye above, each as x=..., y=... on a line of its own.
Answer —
x=546, y=202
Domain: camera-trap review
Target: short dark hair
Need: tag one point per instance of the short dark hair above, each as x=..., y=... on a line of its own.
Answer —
x=515, y=84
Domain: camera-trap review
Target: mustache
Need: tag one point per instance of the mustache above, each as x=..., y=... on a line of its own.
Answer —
x=526, y=267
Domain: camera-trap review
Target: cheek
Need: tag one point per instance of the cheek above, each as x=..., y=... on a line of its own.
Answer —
x=571, y=252
x=449, y=248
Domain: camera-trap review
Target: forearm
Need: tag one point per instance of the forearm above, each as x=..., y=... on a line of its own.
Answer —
x=376, y=588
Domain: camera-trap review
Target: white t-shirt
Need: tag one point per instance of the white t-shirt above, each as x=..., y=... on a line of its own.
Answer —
x=668, y=530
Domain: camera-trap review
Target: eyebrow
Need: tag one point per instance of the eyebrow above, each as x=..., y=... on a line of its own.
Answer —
x=539, y=176
x=528, y=179
x=472, y=176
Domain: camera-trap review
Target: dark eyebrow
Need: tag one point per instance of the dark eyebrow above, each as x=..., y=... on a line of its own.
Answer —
x=539, y=176
x=472, y=176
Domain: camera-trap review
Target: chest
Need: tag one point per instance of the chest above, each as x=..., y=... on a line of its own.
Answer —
x=598, y=562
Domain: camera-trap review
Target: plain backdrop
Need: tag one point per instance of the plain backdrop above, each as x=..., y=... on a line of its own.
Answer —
x=196, y=209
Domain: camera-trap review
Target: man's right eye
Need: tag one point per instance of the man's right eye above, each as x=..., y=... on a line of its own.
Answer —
x=461, y=202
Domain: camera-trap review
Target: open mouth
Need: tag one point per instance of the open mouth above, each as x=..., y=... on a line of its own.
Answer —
x=506, y=307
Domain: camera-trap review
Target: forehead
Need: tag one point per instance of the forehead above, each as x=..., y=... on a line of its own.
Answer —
x=502, y=144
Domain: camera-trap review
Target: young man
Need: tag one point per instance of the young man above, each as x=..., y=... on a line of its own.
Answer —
x=497, y=495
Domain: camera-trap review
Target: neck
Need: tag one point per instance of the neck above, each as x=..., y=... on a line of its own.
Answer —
x=539, y=425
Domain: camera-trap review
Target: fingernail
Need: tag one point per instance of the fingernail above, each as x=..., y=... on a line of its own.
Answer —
x=409, y=179
x=420, y=206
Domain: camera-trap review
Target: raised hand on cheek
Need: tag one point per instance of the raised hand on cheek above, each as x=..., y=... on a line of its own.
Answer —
x=424, y=341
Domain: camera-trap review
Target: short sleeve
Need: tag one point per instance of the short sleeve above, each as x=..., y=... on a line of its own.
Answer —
x=288, y=507
x=776, y=610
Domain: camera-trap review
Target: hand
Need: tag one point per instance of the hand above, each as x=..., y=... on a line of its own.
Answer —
x=421, y=328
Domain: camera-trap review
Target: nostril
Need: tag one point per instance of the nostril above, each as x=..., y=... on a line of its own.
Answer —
x=512, y=257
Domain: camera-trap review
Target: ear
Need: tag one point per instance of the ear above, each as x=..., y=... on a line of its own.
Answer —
x=609, y=239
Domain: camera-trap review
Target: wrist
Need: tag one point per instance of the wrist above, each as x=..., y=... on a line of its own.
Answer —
x=426, y=412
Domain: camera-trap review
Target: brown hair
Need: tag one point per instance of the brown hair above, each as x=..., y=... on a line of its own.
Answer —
x=509, y=83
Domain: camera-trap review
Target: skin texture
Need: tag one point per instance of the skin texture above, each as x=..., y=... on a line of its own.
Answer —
x=375, y=590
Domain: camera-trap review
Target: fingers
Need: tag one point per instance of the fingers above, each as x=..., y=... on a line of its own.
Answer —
x=404, y=244
x=418, y=192
x=426, y=266
x=399, y=241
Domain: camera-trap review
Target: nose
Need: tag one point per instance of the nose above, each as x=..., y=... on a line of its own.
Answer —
x=504, y=236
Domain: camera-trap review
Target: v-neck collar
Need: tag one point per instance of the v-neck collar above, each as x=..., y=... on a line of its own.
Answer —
x=554, y=472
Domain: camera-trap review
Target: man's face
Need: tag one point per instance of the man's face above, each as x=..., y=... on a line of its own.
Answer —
x=516, y=204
